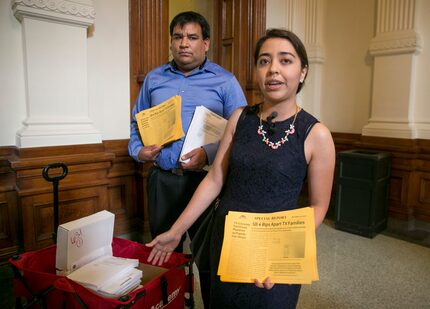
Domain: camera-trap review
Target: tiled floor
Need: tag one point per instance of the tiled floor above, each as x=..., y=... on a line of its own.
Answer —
x=358, y=272
x=355, y=272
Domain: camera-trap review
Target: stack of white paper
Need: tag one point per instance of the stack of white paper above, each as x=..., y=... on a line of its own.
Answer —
x=109, y=276
x=206, y=127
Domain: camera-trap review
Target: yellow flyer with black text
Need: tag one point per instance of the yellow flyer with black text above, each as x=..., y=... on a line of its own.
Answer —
x=280, y=245
x=161, y=124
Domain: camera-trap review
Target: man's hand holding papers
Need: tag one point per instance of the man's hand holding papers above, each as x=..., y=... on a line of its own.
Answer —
x=206, y=127
x=278, y=245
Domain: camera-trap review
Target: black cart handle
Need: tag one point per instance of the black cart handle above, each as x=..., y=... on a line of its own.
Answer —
x=56, y=178
x=55, y=181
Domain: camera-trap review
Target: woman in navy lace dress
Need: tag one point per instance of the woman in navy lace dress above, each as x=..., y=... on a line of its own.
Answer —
x=261, y=165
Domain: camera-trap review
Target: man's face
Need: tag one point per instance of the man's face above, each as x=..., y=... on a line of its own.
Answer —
x=188, y=47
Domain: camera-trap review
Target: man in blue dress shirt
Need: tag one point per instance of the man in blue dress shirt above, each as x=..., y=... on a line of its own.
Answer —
x=198, y=81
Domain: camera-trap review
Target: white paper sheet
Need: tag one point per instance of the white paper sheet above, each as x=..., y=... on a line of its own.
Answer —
x=206, y=127
x=110, y=275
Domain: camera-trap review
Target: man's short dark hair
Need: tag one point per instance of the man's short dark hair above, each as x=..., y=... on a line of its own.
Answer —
x=191, y=17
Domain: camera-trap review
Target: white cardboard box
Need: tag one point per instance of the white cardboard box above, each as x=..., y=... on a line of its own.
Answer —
x=84, y=240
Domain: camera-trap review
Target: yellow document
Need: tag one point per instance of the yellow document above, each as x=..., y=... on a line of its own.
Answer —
x=280, y=245
x=161, y=124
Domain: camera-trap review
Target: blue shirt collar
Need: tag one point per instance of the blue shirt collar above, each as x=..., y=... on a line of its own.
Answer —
x=205, y=66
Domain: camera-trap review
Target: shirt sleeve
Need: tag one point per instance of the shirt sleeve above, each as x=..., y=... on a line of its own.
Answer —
x=135, y=143
x=211, y=150
x=233, y=99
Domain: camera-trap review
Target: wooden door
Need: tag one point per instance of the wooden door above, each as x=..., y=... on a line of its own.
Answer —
x=238, y=25
x=149, y=40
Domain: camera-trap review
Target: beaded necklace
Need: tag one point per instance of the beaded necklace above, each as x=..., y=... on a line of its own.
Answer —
x=276, y=145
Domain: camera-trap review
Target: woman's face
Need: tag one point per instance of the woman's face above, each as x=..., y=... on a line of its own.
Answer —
x=279, y=70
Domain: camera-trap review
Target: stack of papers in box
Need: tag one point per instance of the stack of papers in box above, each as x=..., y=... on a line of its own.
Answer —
x=109, y=276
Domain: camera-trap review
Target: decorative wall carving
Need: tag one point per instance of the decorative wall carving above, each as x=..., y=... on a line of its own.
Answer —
x=391, y=43
x=52, y=31
x=394, y=49
x=395, y=28
x=72, y=11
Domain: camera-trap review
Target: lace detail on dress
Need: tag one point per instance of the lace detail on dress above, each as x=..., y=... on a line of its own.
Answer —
x=262, y=179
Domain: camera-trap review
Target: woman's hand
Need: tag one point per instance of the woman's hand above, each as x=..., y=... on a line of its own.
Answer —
x=266, y=284
x=162, y=247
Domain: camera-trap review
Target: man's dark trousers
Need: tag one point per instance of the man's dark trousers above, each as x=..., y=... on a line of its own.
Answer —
x=168, y=194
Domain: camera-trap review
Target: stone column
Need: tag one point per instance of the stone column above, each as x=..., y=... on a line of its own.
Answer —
x=306, y=19
x=55, y=51
x=394, y=48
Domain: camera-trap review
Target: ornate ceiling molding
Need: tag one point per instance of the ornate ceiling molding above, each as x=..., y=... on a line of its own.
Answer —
x=79, y=12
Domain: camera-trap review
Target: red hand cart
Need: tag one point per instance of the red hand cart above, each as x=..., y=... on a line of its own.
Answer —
x=36, y=284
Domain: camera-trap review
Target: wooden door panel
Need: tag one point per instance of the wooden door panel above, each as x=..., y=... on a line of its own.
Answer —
x=149, y=40
x=239, y=24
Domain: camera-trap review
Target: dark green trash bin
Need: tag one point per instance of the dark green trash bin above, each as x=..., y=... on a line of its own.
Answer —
x=362, y=188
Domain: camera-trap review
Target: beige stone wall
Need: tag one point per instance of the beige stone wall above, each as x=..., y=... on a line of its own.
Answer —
x=354, y=91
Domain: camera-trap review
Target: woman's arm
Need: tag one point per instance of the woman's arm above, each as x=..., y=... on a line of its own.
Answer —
x=321, y=157
x=210, y=187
